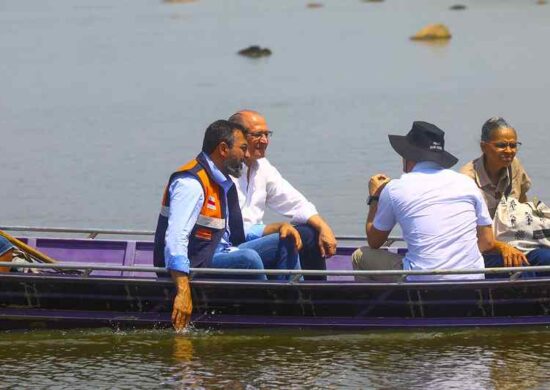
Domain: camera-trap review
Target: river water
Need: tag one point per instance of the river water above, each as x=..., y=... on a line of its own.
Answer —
x=100, y=100
x=480, y=359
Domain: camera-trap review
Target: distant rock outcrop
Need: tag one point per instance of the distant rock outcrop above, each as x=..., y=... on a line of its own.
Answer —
x=255, y=52
x=314, y=5
x=541, y=2
x=457, y=7
x=432, y=32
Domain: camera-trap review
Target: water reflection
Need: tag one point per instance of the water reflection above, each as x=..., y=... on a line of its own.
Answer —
x=434, y=43
x=518, y=369
x=183, y=349
x=473, y=359
x=438, y=47
x=434, y=360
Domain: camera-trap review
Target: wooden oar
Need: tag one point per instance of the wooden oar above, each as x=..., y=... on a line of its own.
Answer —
x=28, y=249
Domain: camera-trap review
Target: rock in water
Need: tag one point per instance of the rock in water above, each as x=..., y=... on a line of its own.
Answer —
x=255, y=52
x=457, y=7
x=314, y=5
x=432, y=32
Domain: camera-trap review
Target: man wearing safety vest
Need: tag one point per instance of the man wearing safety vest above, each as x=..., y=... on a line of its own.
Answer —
x=200, y=223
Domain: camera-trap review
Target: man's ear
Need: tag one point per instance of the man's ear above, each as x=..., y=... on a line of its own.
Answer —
x=223, y=149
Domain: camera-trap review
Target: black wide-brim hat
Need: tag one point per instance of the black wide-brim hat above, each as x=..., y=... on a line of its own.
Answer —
x=425, y=142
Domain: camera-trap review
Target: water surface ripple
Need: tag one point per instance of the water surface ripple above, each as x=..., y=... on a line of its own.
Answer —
x=101, y=99
x=465, y=359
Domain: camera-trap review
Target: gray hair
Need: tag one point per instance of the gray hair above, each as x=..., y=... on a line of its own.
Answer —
x=493, y=124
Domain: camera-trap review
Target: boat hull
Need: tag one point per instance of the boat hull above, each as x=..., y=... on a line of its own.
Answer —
x=35, y=301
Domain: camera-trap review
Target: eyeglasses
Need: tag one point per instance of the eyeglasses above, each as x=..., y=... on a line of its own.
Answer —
x=260, y=134
x=504, y=145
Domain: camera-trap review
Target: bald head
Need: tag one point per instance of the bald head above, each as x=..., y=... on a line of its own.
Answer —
x=258, y=133
x=246, y=118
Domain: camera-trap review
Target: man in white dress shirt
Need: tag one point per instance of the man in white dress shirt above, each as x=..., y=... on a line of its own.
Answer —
x=444, y=218
x=262, y=186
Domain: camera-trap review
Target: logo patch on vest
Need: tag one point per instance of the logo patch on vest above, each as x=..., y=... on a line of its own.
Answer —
x=211, y=203
x=203, y=234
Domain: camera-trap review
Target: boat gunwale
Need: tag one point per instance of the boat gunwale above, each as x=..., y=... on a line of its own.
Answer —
x=435, y=284
x=94, y=232
x=90, y=267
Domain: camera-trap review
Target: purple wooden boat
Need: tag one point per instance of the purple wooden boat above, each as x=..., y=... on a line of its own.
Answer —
x=118, y=286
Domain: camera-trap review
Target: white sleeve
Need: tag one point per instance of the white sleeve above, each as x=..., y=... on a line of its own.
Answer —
x=284, y=199
x=384, y=220
x=482, y=212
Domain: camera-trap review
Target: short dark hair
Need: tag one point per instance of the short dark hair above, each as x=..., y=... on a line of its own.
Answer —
x=220, y=131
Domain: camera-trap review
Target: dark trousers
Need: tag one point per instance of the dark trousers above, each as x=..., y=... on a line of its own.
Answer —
x=310, y=255
x=539, y=256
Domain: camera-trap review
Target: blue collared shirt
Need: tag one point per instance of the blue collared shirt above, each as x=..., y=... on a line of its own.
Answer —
x=186, y=200
x=5, y=245
x=255, y=231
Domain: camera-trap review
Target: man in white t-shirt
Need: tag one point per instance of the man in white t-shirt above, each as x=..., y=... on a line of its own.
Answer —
x=444, y=219
x=261, y=186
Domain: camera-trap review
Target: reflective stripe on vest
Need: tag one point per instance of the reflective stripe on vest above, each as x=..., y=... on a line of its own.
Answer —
x=210, y=222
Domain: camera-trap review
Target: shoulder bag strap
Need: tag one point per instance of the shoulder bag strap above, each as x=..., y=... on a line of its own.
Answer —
x=509, y=188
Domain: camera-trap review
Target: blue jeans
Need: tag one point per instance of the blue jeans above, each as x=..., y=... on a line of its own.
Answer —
x=310, y=255
x=539, y=256
x=265, y=252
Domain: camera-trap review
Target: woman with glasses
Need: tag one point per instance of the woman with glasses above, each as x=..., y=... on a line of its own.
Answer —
x=498, y=166
x=496, y=172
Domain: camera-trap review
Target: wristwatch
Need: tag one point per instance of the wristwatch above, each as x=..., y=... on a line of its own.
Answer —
x=372, y=198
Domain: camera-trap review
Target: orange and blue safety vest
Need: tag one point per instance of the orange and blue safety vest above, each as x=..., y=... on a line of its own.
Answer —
x=211, y=223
